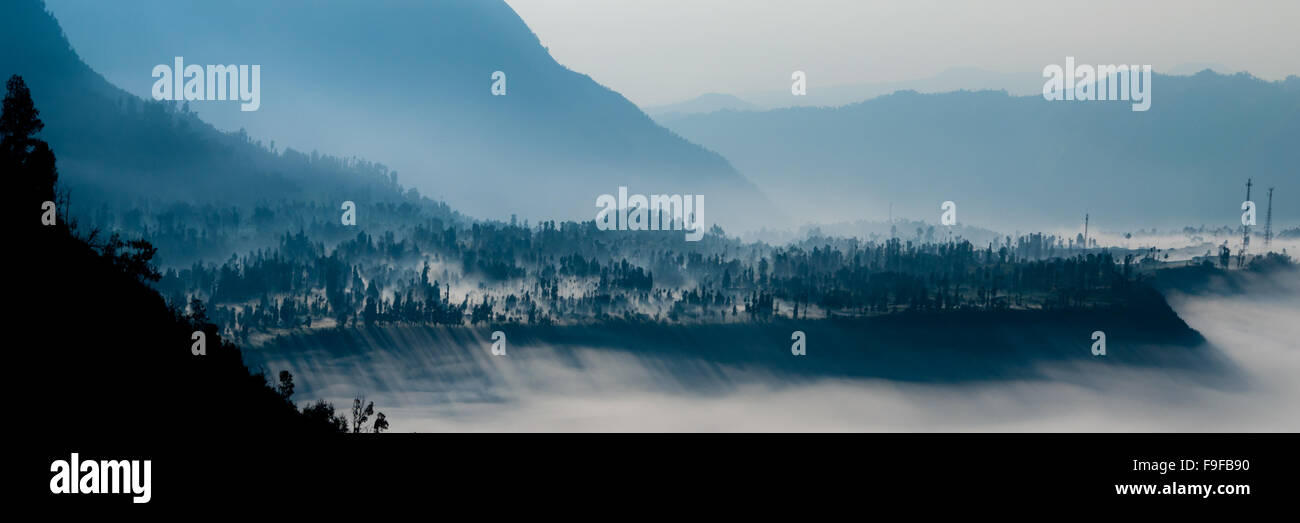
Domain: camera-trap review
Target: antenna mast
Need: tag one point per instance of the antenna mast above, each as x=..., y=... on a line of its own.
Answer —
x=1245, y=232
x=1085, y=231
x=1268, y=221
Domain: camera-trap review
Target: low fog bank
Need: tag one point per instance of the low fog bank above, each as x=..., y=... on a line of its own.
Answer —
x=446, y=380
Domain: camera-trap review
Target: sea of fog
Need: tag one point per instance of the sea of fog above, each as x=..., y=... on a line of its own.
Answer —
x=597, y=389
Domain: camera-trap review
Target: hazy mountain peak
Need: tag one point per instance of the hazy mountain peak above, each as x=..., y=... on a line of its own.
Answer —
x=410, y=84
x=1011, y=160
x=702, y=104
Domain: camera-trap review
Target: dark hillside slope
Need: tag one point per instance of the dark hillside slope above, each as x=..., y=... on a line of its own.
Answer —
x=115, y=148
x=105, y=354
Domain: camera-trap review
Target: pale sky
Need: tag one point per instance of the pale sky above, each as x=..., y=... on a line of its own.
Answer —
x=664, y=51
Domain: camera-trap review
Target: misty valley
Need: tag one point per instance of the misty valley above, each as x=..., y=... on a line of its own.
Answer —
x=402, y=304
x=200, y=276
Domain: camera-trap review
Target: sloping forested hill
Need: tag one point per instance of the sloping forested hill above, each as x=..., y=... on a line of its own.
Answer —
x=118, y=150
x=115, y=360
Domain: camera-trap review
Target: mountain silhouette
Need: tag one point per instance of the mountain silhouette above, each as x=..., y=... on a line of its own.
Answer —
x=410, y=84
x=1009, y=161
x=702, y=104
x=116, y=149
x=129, y=363
x=951, y=79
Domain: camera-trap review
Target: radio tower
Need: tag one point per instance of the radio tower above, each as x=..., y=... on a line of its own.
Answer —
x=1268, y=221
x=1085, y=231
x=1245, y=233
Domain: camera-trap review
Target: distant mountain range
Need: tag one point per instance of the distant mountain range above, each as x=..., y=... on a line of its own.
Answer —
x=408, y=83
x=415, y=94
x=702, y=104
x=819, y=95
x=1022, y=161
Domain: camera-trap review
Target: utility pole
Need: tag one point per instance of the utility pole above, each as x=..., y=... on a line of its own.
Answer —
x=1085, y=231
x=1245, y=233
x=1268, y=221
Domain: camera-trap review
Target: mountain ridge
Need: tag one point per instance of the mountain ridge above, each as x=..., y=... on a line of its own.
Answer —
x=416, y=94
x=117, y=149
x=1013, y=160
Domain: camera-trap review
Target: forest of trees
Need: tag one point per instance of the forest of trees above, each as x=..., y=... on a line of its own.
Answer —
x=245, y=272
x=400, y=265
